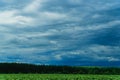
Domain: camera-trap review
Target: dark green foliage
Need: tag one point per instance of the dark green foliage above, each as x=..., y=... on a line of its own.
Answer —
x=49, y=69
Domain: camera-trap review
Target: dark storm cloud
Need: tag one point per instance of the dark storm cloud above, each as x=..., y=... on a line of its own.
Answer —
x=70, y=32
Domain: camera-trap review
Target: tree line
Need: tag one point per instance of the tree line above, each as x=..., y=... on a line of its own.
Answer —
x=8, y=68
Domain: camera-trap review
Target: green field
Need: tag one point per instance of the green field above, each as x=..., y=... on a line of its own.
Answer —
x=57, y=77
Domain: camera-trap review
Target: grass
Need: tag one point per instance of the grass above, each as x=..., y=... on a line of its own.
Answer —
x=57, y=77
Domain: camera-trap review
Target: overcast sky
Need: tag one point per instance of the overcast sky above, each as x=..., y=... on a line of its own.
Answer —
x=60, y=32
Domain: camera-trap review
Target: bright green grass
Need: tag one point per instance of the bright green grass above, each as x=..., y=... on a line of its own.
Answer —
x=57, y=77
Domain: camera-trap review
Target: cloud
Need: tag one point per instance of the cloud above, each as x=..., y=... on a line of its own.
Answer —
x=90, y=54
x=60, y=32
x=13, y=18
x=33, y=6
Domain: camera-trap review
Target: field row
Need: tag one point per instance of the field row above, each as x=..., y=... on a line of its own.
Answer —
x=57, y=77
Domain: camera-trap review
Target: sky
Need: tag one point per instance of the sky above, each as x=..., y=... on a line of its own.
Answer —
x=60, y=32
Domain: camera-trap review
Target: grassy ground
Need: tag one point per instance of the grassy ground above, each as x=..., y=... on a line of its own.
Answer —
x=57, y=77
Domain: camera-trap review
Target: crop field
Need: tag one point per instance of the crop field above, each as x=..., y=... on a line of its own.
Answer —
x=57, y=77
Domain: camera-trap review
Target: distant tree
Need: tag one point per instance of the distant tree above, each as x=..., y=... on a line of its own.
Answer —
x=53, y=69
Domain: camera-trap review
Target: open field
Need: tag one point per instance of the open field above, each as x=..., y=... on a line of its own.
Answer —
x=57, y=77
